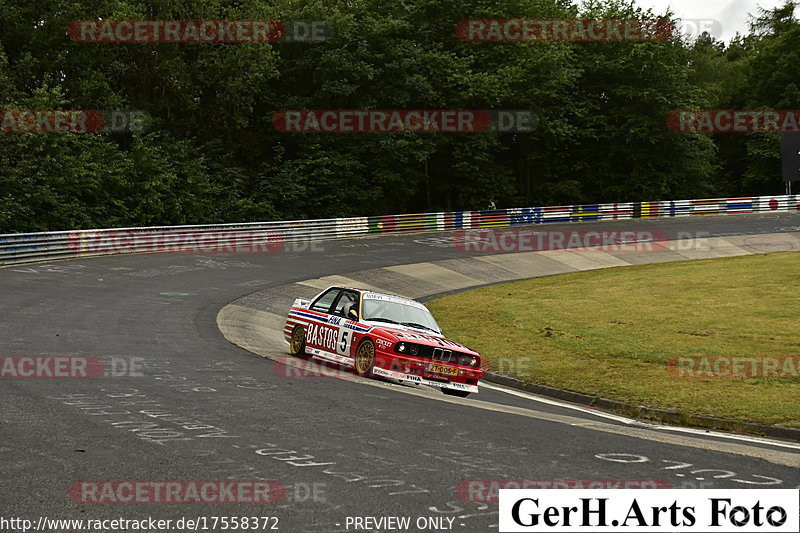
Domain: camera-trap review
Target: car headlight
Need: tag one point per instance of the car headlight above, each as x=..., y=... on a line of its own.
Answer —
x=407, y=347
x=469, y=360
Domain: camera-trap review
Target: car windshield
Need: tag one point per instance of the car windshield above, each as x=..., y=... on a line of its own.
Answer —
x=395, y=311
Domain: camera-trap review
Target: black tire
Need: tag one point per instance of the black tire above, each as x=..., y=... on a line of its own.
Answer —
x=458, y=393
x=364, y=360
x=297, y=342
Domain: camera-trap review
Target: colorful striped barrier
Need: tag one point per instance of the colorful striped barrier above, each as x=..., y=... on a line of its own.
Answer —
x=270, y=236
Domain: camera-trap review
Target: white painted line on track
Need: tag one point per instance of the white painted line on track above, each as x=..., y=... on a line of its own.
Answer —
x=628, y=420
x=542, y=399
x=721, y=435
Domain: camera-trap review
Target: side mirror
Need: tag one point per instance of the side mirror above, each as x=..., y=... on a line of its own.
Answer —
x=352, y=314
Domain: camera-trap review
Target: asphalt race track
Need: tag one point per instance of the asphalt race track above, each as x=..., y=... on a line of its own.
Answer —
x=203, y=409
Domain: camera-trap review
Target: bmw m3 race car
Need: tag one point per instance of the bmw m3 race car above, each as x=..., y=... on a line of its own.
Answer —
x=381, y=335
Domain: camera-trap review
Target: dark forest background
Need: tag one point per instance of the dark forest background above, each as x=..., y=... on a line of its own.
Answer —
x=213, y=155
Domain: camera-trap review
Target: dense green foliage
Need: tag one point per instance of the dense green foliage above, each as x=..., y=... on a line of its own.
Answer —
x=212, y=153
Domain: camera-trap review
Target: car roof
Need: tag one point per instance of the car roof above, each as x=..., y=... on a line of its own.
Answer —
x=364, y=291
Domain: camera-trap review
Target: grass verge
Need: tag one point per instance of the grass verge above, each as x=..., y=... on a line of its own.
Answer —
x=611, y=332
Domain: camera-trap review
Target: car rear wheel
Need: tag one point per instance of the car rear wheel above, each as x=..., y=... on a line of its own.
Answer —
x=459, y=393
x=365, y=358
x=297, y=342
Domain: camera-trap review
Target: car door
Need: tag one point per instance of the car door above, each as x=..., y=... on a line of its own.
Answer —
x=322, y=335
x=340, y=316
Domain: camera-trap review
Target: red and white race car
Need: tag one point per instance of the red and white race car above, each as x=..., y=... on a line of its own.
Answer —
x=381, y=335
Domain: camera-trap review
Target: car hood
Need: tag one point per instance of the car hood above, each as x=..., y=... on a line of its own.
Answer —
x=407, y=334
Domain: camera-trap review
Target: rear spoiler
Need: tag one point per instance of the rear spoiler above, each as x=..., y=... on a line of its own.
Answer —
x=300, y=302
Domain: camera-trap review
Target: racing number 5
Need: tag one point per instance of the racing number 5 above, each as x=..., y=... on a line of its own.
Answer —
x=344, y=342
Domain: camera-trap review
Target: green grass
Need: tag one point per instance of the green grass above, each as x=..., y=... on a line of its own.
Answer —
x=611, y=332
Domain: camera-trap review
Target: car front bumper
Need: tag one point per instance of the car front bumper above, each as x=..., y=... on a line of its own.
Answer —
x=392, y=374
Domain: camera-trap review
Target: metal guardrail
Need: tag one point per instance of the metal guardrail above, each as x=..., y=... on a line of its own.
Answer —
x=18, y=248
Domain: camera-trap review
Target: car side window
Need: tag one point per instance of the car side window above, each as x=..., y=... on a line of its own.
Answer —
x=323, y=303
x=347, y=300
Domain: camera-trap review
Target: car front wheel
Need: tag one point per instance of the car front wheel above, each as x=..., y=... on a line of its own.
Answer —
x=365, y=358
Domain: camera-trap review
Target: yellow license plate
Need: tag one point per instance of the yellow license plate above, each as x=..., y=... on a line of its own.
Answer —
x=444, y=370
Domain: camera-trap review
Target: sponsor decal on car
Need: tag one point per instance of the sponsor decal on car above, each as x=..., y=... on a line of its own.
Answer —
x=431, y=383
x=322, y=336
x=394, y=299
x=383, y=343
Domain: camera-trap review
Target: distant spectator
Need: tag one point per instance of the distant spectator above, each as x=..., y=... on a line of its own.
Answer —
x=491, y=205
